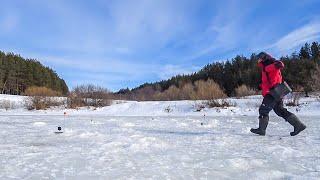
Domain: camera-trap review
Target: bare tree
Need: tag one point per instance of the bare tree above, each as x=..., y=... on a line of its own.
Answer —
x=145, y=93
x=89, y=95
x=244, y=90
x=187, y=92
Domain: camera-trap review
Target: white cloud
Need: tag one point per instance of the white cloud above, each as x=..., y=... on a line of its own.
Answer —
x=133, y=69
x=108, y=80
x=127, y=26
x=296, y=38
x=110, y=73
x=170, y=70
x=224, y=32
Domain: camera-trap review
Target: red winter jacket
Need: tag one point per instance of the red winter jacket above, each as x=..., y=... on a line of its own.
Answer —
x=271, y=76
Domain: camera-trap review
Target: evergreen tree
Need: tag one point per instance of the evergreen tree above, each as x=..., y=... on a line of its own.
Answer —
x=305, y=52
x=17, y=74
x=315, y=51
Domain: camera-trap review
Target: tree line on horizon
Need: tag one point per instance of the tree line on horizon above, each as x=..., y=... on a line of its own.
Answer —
x=236, y=77
x=18, y=74
x=301, y=71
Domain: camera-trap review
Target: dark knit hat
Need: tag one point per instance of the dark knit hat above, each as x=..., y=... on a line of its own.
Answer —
x=266, y=59
x=264, y=56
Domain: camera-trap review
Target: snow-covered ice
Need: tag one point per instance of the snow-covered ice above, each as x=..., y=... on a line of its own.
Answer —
x=139, y=140
x=104, y=147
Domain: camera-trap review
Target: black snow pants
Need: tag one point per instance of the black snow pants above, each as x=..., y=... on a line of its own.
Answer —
x=270, y=103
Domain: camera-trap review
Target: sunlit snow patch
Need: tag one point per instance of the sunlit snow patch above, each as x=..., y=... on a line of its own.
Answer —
x=39, y=123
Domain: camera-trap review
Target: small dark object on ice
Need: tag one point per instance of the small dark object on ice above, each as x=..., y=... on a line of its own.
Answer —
x=201, y=124
x=59, y=130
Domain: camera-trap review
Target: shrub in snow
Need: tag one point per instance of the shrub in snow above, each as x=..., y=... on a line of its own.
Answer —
x=41, y=91
x=41, y=102
x=181, y=90
x=219, y=103
x=41, y=98
x=7, y=104
x=208, y=90
x=168, y=109
x=187, y=91
x=89, y=95
x=145, y=94
x=244, y=90
x=293, y=99
x=199, y=107
x=173, y=93
x=75, y=101
x=199, y=90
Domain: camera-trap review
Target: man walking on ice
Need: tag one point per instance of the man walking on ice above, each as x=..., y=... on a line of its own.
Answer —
x=271, y=77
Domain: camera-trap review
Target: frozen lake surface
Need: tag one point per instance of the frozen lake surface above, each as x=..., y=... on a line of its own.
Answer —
x=163, y=147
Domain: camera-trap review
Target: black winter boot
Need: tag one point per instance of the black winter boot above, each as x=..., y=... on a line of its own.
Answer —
x=263, y=123
x=296, y=123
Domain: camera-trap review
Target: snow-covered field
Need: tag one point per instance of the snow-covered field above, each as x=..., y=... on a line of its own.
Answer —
x=140, y=140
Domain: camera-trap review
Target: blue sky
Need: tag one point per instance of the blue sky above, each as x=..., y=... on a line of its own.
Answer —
x=118, y=44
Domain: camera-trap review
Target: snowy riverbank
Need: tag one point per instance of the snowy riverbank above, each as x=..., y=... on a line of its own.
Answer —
x=247, y=106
